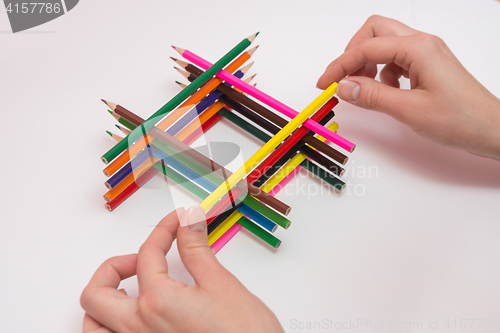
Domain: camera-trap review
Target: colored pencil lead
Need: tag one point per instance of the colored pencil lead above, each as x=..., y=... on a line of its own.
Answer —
x=115, y=137
x=251, y=38
x=112, y=106
x=124, y=130
x=179, y=50
x=182, y=85
x=110, y=112
x=251, y=51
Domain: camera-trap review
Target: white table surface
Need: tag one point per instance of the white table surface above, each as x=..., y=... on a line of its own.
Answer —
x=415, y=241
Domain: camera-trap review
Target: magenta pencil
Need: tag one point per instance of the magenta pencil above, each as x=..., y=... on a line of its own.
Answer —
x=219, y=243
x=285, y=180
x=272, y=102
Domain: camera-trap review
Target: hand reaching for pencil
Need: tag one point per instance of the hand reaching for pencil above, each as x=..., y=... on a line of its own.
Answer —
x=446, y=104
x=218, y=302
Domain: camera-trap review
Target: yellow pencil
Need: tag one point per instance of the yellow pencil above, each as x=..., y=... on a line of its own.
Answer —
x=236, y=177
x=228, y=223
x=292, y=164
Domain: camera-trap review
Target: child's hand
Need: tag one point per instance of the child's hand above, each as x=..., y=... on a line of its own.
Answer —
x=217, y=303
x=446, y=103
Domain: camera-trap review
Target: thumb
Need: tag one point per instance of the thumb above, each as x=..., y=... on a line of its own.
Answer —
x=194, y=251
x=369, y=94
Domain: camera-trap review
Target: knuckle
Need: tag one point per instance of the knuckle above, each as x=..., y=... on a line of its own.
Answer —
x=372, y=96
x=150, y=306
x=374, y=18
x=86, y=298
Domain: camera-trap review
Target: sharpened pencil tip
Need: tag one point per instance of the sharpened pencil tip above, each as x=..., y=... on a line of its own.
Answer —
x=251, y=51
x=110, y=134
x=173, y=58
x=251, y=38
x=117, y=126
x=110, y=112
x=112, y=106
x=178, y=49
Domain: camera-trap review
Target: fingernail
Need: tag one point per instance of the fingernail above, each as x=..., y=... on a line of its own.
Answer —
x=348, y=90
x=194, y=218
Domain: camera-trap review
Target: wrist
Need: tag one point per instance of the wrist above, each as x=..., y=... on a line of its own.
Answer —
x=488, y=144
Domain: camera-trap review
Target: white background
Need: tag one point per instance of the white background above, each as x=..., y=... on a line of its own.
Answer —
x=421, y=242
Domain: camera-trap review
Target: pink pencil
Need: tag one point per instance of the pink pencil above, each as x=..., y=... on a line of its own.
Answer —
x=219, y=243
x=274, y=103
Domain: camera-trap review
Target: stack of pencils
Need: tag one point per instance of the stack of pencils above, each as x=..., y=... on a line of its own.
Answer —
x=245, y=198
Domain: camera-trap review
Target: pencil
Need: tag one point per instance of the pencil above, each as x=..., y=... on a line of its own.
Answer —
x=114, y=136
x=134, y=186
x=224, y=238
x=202, y=106
x=122, y=112
x=124, y=130
x=277, y=105
x=269, y=146
x=243, y=102
x=122, y=121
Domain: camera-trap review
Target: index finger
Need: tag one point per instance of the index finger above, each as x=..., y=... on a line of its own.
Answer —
x=379, y=50
x=379, y=26
x=151, y=261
